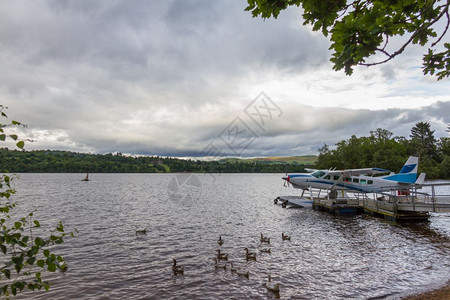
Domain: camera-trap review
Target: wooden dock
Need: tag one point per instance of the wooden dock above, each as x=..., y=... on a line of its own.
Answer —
x=410, y=206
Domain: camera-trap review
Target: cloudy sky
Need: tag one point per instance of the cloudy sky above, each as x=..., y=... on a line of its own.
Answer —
x=196, y=77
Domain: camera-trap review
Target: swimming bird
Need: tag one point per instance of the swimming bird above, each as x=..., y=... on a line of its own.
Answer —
x=264, y=239
x=223, y=256
x=219, y=265
x=141, y=231
x=265, y=250
x=220, y=241
x=272, y=286
x=239, y=271
x=249, y=255
x=177, y=269
x=63, y=266
x=285, y=237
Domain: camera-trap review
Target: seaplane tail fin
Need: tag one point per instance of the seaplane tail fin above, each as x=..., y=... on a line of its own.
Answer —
x=411, y=165
x=421, y=178
x=408, y=173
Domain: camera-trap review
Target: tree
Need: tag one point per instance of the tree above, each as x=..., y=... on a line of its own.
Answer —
x=361, y=29
x=25, y=255
x=422, y=139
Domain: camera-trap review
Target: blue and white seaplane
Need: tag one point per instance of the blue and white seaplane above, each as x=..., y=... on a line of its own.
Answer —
x=355, y=180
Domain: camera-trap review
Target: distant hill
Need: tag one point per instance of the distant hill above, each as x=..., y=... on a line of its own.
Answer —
x=301, y=160
x=53, y=161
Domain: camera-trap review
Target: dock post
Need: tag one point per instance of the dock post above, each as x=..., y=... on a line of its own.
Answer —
x=433, y=198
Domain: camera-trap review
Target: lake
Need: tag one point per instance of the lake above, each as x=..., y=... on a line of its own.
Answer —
x=329, y=257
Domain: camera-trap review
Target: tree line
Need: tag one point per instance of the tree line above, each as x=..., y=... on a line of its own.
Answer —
x=52, y=161
x=384, y=150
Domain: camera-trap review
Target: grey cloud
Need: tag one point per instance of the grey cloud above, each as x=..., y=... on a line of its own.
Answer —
x=166, y=77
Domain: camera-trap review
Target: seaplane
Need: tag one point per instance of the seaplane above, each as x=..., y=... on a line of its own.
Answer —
x=366, y=180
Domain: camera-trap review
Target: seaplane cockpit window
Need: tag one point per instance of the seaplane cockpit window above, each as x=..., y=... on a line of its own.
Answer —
x=336, y=177
x=356, y=180
x=363, y=181
x=327, y=177
x=318, y=174
x=369, y=181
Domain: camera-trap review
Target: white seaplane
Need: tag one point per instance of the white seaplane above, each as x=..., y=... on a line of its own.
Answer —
x=357, y=180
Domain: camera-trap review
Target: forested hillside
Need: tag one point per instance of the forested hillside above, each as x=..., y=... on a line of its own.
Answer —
x=71, y=162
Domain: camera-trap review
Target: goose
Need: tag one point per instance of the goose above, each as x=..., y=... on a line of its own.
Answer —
x=63, y=266
x=249, y=255
x=177, y=269
x=223, y=256
x=239, y=271
x=272, y=286
x=220, y=241
x=218, y=265
x=141, y=231
x=265, y=250
x=285, y=237
x=264, y=239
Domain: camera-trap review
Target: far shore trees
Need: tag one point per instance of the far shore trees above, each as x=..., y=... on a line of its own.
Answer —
x=383, y=150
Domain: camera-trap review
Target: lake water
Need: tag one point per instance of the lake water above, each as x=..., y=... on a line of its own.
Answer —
x=329, y=257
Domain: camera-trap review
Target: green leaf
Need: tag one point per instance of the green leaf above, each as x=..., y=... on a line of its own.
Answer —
x=20, y=144
x=13, y=136
x=3, y=248
x=2, y=137
x=40, y=263
x=17, y=225
x=36, y=223
x=52, y=267
x=46, y=252
x=39, y=241
x=7, y=273
x=31, y=260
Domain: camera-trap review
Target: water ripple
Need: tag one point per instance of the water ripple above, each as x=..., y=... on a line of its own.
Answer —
x=329, y=257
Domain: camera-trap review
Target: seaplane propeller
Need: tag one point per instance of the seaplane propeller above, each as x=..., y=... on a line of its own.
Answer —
x=286, y=177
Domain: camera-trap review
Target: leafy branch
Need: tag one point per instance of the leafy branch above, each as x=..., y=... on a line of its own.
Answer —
x=25, y=257
x=363, y=28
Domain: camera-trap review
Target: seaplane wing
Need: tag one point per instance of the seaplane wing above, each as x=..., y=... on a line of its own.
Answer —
x=357, y=172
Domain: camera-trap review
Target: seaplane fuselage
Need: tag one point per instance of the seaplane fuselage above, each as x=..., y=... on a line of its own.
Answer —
x=361, y=180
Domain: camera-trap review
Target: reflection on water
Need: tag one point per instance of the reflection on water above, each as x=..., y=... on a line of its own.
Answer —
x=329, y=257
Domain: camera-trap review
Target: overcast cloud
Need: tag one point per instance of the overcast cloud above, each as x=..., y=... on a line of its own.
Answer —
x=170, y=77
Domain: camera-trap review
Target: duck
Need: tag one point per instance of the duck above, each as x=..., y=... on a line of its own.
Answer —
x=219, y=265
x=223, y=256
x=177, y=269
x=249, y=255
x=220, y=241
x=264, y=239
x=272, y=286
x=265, y=250
x=239, y=271
x=285, y=237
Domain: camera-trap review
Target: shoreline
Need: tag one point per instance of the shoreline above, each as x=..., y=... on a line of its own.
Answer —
x=442, y=293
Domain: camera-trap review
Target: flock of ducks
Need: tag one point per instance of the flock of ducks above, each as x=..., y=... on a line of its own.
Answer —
x=221, y=262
